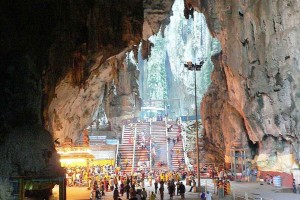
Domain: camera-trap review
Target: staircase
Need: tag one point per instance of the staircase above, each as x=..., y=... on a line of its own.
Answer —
x=176, y=152
x=159, y=142
x=126, y=148
x=142, y=156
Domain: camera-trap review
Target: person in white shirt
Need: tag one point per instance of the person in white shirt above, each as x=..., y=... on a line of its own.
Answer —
x=208, y=195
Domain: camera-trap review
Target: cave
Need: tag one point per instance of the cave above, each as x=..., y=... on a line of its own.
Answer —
x=64, y=61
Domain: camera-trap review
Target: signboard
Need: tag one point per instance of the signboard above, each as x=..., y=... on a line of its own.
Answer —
x=97, y=139
x=112, y=141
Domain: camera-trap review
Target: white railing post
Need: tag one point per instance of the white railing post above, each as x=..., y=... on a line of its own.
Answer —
x=214, y=187
x=133, y=153
x=123, y=130
x=167, y=144
x=246, y=196
x=150, y=146
x=117, y=152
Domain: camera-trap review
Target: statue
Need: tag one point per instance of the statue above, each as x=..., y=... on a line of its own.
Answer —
x=85, y=138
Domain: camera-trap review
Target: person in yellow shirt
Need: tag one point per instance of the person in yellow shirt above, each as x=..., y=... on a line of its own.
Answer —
x=153, y=196
x=150, y=180
x=177, y=177
x=162, y=177
x=85, y=176
x=167, y=177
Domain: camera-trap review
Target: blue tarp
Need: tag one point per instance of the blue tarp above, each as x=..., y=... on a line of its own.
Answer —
x=112, y=141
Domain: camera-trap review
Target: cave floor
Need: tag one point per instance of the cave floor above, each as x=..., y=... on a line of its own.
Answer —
x=253, y=189
x=82, y=193
x=268, y=192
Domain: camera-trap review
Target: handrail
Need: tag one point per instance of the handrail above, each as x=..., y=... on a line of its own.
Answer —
x=133, y=153
x=150, y=146
x=123, y=130
x=210, y=186
x=183, y=145
x=167, y=144
x=116, y=156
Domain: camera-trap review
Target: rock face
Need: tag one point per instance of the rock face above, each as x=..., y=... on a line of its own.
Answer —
x=73, y=107
x=123, y=102
x=156, y=16
x=211, y=111
x=59, y=61
x=54, y=59
x=74, y=100
x=254, y=98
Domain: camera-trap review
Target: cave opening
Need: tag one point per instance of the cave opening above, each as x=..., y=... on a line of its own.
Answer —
x=163, y=73
x=163, y=82
x=90, y=101
x=164, y=87
x=66, y=63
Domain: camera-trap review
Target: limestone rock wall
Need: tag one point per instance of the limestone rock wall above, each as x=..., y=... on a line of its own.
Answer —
x=53, y=60
x=123, y=101
x=73, y=107
x=157, y=15
x=260, y=69
x=98, y=79
x=58, y=60
x=213, y=108
x=111, y=29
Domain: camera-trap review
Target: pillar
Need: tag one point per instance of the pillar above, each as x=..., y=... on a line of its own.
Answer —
x=21, y=189
x=62, y=189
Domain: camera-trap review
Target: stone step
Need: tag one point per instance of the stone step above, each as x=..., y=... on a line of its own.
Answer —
x=158, y=136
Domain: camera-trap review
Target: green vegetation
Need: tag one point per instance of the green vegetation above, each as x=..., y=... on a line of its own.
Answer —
x=163, y=75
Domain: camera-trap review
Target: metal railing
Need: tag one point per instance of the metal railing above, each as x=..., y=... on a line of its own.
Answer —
x=210, y=186
x=116, y=156
x=150, y=147
x=123, y=130
x=167, y=144
x=134, y=147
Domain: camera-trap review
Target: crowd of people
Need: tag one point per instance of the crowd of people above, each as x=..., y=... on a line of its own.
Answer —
x=81, y=176
x=106, y=178
x=154, y=150
x=117, y=180
x=133, y=186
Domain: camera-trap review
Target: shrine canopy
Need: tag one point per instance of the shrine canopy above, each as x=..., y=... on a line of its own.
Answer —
x=74, y=156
